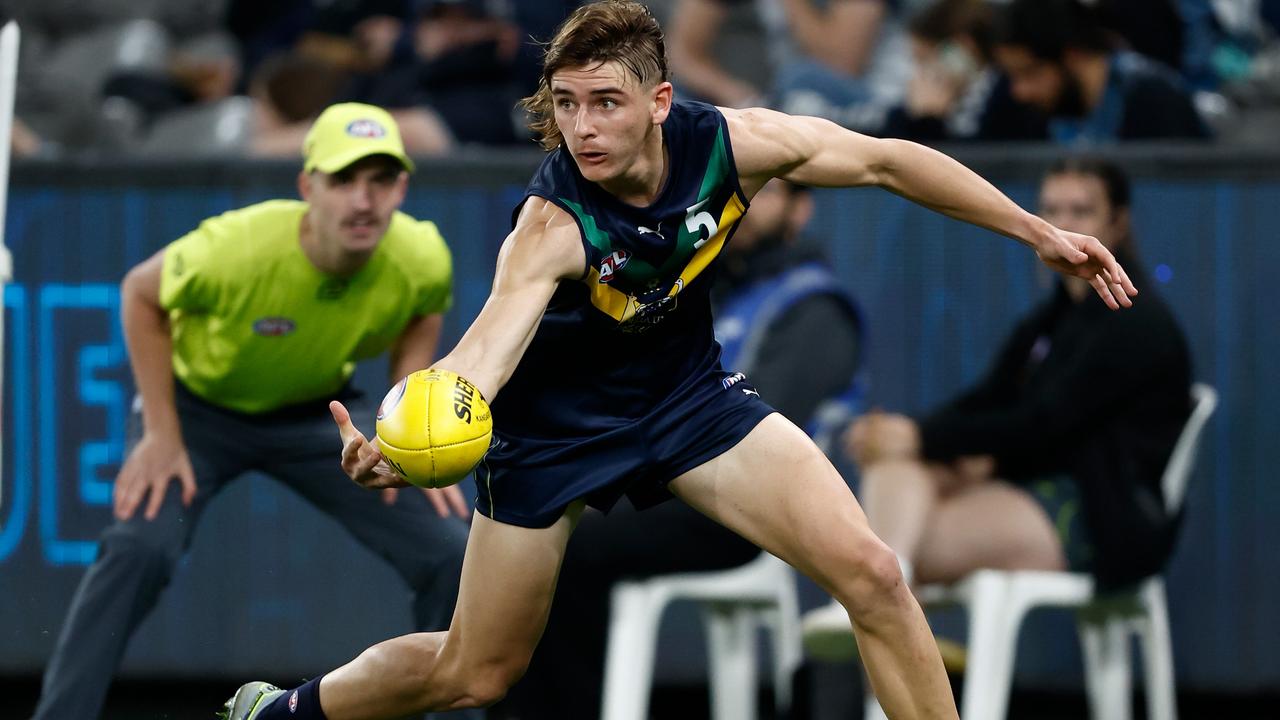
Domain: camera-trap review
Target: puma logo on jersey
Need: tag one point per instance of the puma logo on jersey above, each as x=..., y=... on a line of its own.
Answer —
x=650, y=231
x=612, y=264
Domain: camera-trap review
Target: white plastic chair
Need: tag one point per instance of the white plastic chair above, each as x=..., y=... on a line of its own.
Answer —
x=735, y=604
x=997, y=601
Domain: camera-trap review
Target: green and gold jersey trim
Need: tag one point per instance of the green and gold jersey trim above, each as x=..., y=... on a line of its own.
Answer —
x=637, y=285
x=623, y=306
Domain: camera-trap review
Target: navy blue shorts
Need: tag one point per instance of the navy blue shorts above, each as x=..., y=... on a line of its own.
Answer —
x=530, y=482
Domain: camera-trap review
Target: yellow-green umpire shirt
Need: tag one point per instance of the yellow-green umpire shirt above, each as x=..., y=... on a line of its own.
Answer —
x=256, y=326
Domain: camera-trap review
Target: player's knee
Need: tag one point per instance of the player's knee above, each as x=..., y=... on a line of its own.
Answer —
x=123, y=544
x=872, y=581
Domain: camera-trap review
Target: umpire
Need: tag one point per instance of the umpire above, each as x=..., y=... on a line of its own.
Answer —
x=260, y=314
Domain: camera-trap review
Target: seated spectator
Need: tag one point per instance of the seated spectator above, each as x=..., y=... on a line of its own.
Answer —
x=1153, y=28
x=1053, y=461
x=954, y=92
x=1059, y=59
x=462, y=64
x=91, y=76
x=23, y=142
x=773, y=295
x=1237, y=53
x=845, y=60
x=290, y=90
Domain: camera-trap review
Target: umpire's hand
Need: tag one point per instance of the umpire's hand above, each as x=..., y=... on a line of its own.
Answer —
x=154, y=461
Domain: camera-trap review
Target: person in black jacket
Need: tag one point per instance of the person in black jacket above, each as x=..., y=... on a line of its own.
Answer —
x=1061, y=59
x=1053, y=461
x=956, y=93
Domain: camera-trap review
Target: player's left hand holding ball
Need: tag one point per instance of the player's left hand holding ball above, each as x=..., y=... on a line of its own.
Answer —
x=362, y=462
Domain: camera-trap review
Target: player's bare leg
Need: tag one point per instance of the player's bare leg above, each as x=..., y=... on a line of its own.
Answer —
x=508, y=580
x=778, y=490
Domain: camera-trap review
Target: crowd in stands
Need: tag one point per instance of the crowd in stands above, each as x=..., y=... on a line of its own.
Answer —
x=236, y=77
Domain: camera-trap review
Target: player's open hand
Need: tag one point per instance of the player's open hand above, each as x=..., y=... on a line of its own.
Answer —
x=1082, y=256
x=154, y=461
x=361, y=460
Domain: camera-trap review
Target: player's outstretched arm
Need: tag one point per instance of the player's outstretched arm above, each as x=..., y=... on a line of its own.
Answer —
x=543, y=249
x=812, y=151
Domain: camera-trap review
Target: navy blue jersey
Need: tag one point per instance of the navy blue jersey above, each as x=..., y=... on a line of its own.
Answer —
x=637, y=327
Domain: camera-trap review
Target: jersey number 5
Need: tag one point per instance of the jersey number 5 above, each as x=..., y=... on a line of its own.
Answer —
x=697, y=219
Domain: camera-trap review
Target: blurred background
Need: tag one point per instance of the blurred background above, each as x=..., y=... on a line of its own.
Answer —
x=135, y=119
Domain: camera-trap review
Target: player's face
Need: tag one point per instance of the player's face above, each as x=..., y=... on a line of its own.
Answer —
x=352, y=208
x=605, y=116
x=1033, y=81
x=1078, y=203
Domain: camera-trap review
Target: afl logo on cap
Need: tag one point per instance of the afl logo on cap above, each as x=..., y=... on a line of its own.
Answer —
x=369, y=129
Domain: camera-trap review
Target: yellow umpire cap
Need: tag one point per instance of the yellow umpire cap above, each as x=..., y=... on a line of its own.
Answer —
x=348, y=132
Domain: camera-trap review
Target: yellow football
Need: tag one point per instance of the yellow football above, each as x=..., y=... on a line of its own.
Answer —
x=434, y=428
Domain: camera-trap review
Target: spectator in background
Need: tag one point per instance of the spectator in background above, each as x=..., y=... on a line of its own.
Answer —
x=954, y=92
x=152, y=55
x=23, y=142
x=1060, y=59
x=239, y=334
x=538, y=20
x=351, y=34
x=845, y=60
x=1053, y=461
x=774, y=294
x=349, y=50
x=1153, y=28
x=461, y=62
x=291, y=89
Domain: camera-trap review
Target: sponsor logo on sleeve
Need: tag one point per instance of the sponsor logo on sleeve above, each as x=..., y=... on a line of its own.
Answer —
x=273, y=326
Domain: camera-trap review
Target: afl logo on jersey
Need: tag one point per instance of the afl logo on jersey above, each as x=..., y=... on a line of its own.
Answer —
x=612, y=264
x=273, y=326
x=369, y=129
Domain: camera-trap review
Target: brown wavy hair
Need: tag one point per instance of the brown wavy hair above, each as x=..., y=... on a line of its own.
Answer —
x=597, y=33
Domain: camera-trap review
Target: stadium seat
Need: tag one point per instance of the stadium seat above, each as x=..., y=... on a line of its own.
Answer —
x=997, y=601
x=216, y=129
x=81, y=65
x=735, y=604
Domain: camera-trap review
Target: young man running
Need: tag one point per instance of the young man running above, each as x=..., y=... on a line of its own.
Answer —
x=598, y=335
